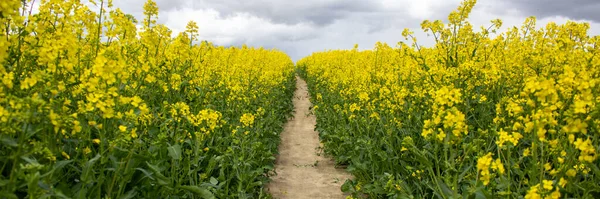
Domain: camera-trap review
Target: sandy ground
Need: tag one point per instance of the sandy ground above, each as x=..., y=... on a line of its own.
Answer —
x=301, y=172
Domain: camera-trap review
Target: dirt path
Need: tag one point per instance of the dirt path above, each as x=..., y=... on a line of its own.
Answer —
x=301, y=172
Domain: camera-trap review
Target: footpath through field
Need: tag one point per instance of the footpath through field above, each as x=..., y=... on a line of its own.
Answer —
x=302, y=172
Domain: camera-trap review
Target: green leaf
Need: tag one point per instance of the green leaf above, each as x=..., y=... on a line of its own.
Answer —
x=59, y=194
x=4, y=182
x=482, y=194
x=153, y=131
x=146, y=173
x=57, y=166
x=464, y=172
x=30, y=160
x=8, y=141
x=82, y=193
x=213, y=181
x=162, y=180
x=7, y=195
x=61, y=164
x=29, y=131
x=32, y=183
x=347, y=186
x=420, y=157
x=446, y=191
x=202, y=192
x=87, y=168
x=130, y=194
x=175, y=152
x=595, y=170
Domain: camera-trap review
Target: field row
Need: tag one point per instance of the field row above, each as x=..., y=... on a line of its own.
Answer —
x=512, y=115
x=93, y=107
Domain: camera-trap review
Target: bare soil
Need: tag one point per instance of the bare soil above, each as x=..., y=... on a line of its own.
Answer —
x=302, y=171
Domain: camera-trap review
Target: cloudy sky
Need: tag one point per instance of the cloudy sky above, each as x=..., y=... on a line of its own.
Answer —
x=305, y=26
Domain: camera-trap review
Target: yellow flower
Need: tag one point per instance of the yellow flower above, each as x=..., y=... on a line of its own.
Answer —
x=562, y=182
x=8, y=78
x=547, y=184
x=483, y=165
x=554, y=195
x=441, y=135
x=363, y=96
x=426, y=132
x=133, y=133
x=76, y=127
x=87, y=150
x=65, y=155
x=526, y=152
x=122, y=128
x=547, y=166
x=358, y=186
x=29, y=82
x=354, y=107
x=247, y=119
x=96, y=141
x=532, y=193
x=571, y=138
x=497, y=165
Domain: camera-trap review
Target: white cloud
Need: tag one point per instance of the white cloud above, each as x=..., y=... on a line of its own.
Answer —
x=237, y=28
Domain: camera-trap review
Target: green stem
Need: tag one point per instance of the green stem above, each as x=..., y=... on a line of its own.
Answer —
x=99, y=26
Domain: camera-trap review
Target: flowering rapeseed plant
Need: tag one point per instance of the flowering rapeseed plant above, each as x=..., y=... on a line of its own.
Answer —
x=506, y=115
x=93, y=107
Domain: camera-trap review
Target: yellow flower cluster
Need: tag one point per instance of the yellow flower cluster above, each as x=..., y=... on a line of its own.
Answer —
x=446, y=115
x=79, y=82
x=529, y=95
x=247, y=119
x=485, y=163
x=537, y=191
x=504, y=137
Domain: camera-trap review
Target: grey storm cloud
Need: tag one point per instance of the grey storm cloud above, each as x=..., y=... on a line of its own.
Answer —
x=573, y=9
x=170, y=4
x=318, y=12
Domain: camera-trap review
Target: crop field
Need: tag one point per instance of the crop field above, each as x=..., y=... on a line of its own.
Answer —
x=96, y=104
x=476, y=116
x=124, y=113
